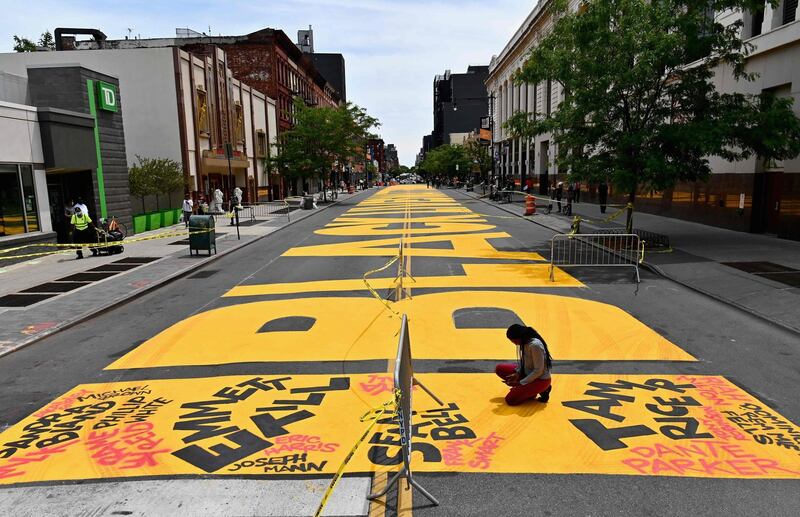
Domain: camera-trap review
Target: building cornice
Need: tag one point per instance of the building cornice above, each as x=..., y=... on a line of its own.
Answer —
x=511, y=49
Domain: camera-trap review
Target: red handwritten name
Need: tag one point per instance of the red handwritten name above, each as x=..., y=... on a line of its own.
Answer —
x=701, y=458
x=12, y=467
x=133, y=446
x=62, y=403
x=476, y=453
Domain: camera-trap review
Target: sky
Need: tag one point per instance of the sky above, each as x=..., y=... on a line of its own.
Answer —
x=392, y=48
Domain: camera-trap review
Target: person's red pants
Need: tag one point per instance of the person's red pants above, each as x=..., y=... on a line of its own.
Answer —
x=519, y=394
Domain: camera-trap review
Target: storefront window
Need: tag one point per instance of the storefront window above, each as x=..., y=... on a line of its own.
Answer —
x=18, y=210
x=29, y=198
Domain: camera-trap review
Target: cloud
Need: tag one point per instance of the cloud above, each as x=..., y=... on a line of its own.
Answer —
x=392, y=49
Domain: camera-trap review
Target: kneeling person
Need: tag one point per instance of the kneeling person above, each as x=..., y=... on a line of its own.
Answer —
x=531, y=375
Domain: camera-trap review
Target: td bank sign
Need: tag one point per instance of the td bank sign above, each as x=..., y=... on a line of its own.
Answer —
x=106, y=96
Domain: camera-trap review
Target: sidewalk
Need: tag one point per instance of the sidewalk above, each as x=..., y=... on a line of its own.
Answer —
x=756, y=273
x=56, y=291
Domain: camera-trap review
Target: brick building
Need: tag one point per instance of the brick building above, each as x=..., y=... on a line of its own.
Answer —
x=270, y=62
x=392, y=160
x=377, y=155
x=266, y=61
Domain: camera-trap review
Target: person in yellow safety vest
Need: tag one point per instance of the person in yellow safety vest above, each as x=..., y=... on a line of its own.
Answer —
x=83, y=230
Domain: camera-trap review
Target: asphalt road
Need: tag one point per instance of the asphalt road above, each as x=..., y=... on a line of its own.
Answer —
x=759, y=359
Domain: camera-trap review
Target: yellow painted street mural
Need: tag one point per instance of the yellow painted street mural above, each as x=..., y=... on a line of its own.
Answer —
x=617, y=424
x=476, y=276
x=659, y=425
x=333, y=329
x=467, y=245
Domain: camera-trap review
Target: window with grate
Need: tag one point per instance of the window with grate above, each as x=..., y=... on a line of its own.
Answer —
x=261, y=144
x=789, y=11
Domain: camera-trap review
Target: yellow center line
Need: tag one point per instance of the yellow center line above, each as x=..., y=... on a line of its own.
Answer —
x=405, y=503
x=377, y=506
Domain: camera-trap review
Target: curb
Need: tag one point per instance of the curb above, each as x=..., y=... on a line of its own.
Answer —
x=783, y=326
x=160, y=283
x=657, y=271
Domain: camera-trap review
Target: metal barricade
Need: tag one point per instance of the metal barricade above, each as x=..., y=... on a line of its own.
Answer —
x=595, y=249
x=404, y=382
x=269, y=208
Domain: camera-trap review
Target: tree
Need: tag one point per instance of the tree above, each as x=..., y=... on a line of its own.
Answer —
x=448, y=160
x=322, y=140
x=25, y=45
x=46, y=41
x=169, y=177
x=639, y=108
x=154, y=176
x=479, y=154
x=141, y=181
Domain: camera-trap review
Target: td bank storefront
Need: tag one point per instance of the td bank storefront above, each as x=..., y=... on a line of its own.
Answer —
x=67, y=145
x=19, y=211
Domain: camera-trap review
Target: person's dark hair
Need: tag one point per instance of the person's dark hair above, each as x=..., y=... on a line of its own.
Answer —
x=527, y=334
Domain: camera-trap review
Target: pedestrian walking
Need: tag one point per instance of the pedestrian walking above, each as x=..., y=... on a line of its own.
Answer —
x=188, y=208
x=530, y=376
x=83, y=230
x=559, y=194
x=603, y=195
x=578, y=192
x=570, y=199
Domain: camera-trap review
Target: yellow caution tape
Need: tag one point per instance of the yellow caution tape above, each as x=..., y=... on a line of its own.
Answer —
x=576, y=225
x=374, y=415
x=74, y=246
x=563, y=200
x=610, y=218
x=372, y=291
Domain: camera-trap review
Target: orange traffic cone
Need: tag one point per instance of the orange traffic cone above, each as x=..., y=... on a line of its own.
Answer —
x=530, y=205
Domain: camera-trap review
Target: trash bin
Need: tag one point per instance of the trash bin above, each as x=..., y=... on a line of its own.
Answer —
x=308, y=203
x=202, y=235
